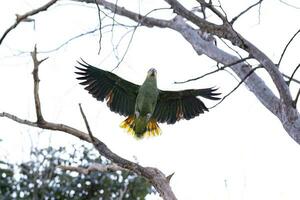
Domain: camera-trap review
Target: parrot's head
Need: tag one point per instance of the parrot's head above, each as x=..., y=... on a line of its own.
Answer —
x=152, y=73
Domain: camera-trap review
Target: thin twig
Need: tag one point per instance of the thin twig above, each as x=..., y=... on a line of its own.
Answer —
x=140, y=22
x=236, y=87
x=288, y=4
x=126, y=50
x=25, y=17
x=86, y=124
x=244, y=11
x=296, y=99
x=100, y=26
x=214, y=71
x=112, y=33
x=231, y=48
x=286, y=46
x=292, y=76
x=69, y=40
x=292, y=79
x=213, y=9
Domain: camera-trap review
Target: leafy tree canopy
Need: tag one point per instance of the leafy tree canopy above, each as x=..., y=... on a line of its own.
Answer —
x=40, y=178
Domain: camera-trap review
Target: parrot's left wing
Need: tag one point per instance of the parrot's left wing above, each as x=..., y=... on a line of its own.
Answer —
x=175, y=105
x=119, y=93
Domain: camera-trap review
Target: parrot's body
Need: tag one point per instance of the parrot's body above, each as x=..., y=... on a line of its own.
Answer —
x=143, y=105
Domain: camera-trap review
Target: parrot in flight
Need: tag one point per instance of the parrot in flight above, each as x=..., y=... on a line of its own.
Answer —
x=144, y=105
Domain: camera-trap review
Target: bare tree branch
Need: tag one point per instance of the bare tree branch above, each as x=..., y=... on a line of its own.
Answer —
x=292, y=79
x=286, y=46
x=296, y=99
x=70, y=40
x=288, y=4
x=226, y=31
x=293, y=74
x=36, y=80
x=86, y=124
x=214, y=71
x=100, y=27
x=25, y=17
x=94, y=167
x=246, y=10
x=238, y=85
x=213, y=9
x=143, y=21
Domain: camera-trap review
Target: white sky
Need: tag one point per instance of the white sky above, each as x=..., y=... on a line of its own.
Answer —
x=238, y=150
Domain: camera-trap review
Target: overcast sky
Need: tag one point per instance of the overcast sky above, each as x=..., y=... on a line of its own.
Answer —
x=238, y=150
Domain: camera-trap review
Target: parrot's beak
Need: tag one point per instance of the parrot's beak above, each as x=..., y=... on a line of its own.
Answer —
x=152, y=72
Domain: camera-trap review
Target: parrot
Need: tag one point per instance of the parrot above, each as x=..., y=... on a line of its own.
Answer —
x=144, y=105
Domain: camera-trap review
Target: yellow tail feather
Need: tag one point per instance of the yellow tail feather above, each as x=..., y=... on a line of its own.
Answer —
x=152, y=128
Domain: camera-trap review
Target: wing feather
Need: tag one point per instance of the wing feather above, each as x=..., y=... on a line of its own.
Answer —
x=173, y=106
x=119, y=94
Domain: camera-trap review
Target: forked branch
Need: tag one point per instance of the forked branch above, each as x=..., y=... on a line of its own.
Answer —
x=25, y=17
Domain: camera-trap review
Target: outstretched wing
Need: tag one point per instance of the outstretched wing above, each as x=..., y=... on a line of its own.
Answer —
x=119, y=93
x=175, y=105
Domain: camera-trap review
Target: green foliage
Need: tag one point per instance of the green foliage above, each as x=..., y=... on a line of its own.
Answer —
x=40, y=178
x=6, y=180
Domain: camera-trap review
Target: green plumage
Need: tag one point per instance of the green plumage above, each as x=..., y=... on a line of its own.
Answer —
x=143, y=105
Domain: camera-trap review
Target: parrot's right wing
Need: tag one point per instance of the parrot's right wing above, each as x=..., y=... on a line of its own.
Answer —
x=119, y=93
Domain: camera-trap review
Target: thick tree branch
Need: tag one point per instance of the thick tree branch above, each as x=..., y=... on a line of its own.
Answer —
x=226, y=31
x=26, y=16
x=142, y=20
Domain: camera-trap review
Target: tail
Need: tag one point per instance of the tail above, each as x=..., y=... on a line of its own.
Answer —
x=151, y=128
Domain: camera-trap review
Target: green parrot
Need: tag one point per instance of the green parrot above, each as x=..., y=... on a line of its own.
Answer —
x=143, y=105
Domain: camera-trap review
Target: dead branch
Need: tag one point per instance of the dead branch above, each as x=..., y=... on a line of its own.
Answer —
x=238, y=85
x=25, y=17
x=213, y=9
x=142, y=20
x=87, y=124
x=290, y=78
x=288, y=4
x=94, y=167
x=100, y=26
x=293, y=74
x=70, y=40
x=246, y=10
x=36, y=81
x=286, y=46
x=214, y=71
x=296, y=99
x=226, y=31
